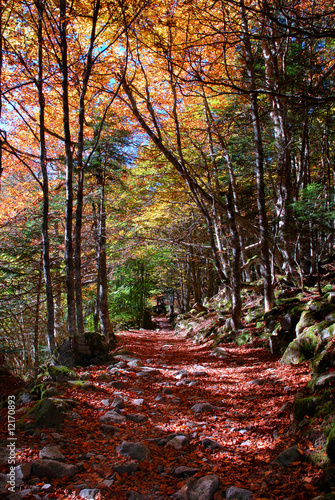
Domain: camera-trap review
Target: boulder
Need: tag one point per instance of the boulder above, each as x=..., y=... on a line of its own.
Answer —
x=52, y=453
x=204, y=489
x=234, y=493
x=137, y=451
x=202, y=407
x=90, y=348
x=111, y=417
x=45, y=414
x=51, y=469
x=289, y=456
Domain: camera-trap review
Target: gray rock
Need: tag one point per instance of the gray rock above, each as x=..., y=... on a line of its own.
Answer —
x=203, y=489
x=108, y=429
x=52, y=469
x=136, y=417
x=202, y=407
x=23, y=472
x=288, y=456
x=210, y=443
x=52, y=453
x=111, y=416
x=89, y=494
x=138, y=451
x=127, y=468
x=184, y=471
x=219, y=352
x=138, y=402
x=178, y=442
x=45, y=414
x=182, y=374
x=135, y=363
x=118, y=403
x=234, y=493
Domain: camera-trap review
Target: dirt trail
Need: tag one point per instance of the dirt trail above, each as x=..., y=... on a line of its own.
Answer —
x=248, y=388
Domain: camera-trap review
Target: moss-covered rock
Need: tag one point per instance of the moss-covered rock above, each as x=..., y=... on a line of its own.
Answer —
x=45, y=414
x=330, y=449
x=305, y=407
x=59, y=373
x=302, y=348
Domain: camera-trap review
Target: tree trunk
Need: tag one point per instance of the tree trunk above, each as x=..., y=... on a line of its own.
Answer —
x=259, y=166
x=80, y=166
x=45, y=187
x=105, y=324
x=70, y=289
x=235, y=274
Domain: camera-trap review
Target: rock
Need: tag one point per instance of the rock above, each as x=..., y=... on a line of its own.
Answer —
x=135, y=363
x=90, y=348
x=147, y=372
x=89, y=494
x=210, y=443
x=234, y=493
x=52, y=453
x=219, y=352
x=289, y=456
x=136, y=417
x=118, y=403
x=202, y=407
x=138, y=402
x=45, y=414
x=327, y=480
x=181, y=374
x=111, y=416
x=23, y=472
x=108, y=429
x=59, y=373
x=184, y=471
x=178, y=442
x=52, y=469
x=203, y=489
x=138, y=451
x=127, y=468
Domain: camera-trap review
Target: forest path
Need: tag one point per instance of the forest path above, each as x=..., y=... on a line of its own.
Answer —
x=247, y=423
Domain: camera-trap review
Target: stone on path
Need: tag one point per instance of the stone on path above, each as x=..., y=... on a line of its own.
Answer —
x=210, y=443
x=52, y=453
x=204, y=488
x=289, y=456
x=184, y=471
x=52, y=469
x=111, y=416
x=89, y=494
x=138, y=451
x=127, y=468
x=234, y=493
x=202, y=407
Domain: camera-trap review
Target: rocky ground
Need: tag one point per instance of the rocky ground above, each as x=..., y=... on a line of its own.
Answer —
x=168, y=418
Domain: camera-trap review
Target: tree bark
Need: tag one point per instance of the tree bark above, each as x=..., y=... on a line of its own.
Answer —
x=70, y=288
x=259, y=165
x=45, y=186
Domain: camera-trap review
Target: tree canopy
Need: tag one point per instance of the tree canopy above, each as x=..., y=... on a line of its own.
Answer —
x=158, y=148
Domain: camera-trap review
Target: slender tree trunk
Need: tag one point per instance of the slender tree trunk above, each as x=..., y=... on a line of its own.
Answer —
x=45, y=186
x=259, y=166
x=70, y=289
x=235, y=275
x=37, y=319
x=105, y=324
x=80, y=166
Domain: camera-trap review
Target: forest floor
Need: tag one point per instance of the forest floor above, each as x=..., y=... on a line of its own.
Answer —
x=251, y=394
